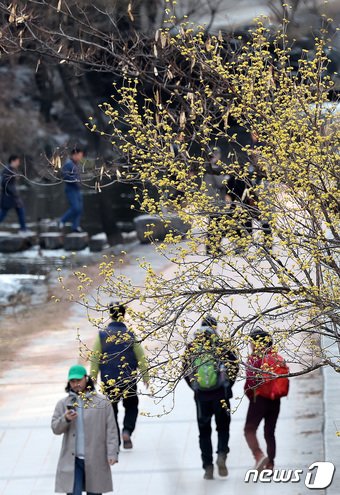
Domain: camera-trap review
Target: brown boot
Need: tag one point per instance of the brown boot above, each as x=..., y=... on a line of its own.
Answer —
x=209, y=472
x=221, y=464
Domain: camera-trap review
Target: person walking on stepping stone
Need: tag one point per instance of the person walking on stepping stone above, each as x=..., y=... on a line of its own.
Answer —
x=10, y=198
x=71, y=176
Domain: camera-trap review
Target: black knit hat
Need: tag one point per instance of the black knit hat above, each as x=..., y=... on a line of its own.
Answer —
x=260, y=335
x=117, y=310
x=209, y=321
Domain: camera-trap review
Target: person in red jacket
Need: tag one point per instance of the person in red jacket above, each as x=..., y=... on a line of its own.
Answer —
x=261, y=407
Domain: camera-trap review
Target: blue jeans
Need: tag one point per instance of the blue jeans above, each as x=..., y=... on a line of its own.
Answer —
x=79, y=478
x=75, y=211
x=20, y=213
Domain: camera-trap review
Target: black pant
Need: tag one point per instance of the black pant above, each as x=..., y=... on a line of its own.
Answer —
x=244, y=221
x=130, y=404
x=205, y=411
x=79, y=478
x=258, y=410
x=266, y=228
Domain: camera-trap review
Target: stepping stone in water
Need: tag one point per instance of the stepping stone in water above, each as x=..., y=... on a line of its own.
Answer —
x=13, y=243
x=46, y=225
x=51, y=240
x=76, y=241
x=98, y=242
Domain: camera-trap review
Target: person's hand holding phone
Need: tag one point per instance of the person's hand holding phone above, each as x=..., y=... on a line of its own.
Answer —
x=70, y=414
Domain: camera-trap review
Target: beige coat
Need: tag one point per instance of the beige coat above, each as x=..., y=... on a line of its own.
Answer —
x=101, y=444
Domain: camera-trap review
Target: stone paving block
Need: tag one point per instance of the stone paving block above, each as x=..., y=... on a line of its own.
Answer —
x=76, y=241
x=51, y=240
x=98, y=242
x=13, y=243
x=48, y=225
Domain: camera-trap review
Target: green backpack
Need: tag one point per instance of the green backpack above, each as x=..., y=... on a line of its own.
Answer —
x=206, y=374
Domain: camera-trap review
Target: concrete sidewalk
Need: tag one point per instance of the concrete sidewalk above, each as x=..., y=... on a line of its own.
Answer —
x=332, y=417
x=165, y=459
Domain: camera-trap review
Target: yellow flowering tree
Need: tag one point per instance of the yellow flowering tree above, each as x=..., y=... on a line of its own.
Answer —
x=262, y=217
x=262, y=248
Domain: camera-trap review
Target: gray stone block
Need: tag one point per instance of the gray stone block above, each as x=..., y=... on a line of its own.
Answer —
x=126, y=226
x=76, y=241
x=51, y=240
x=30, y=237
x=12, y=243
x=98, y=242
x=47, y=225
x=176, y=225
x=147, y=223
x=159, y=227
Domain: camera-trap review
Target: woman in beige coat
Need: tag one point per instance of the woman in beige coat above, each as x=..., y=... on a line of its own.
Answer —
x=90, y=438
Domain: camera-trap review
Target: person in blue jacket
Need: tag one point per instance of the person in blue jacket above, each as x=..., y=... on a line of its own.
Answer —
x=121, y=361
x=9, y=195
x=70, y=173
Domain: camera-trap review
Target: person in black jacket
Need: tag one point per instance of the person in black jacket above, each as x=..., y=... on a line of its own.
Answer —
x=259, y=179
x=209, y=354
x=9, y=195
x=228, y=193
x=214, y=179
x=238, y=190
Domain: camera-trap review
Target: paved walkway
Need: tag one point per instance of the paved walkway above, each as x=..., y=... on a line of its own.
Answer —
x=165, y=460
